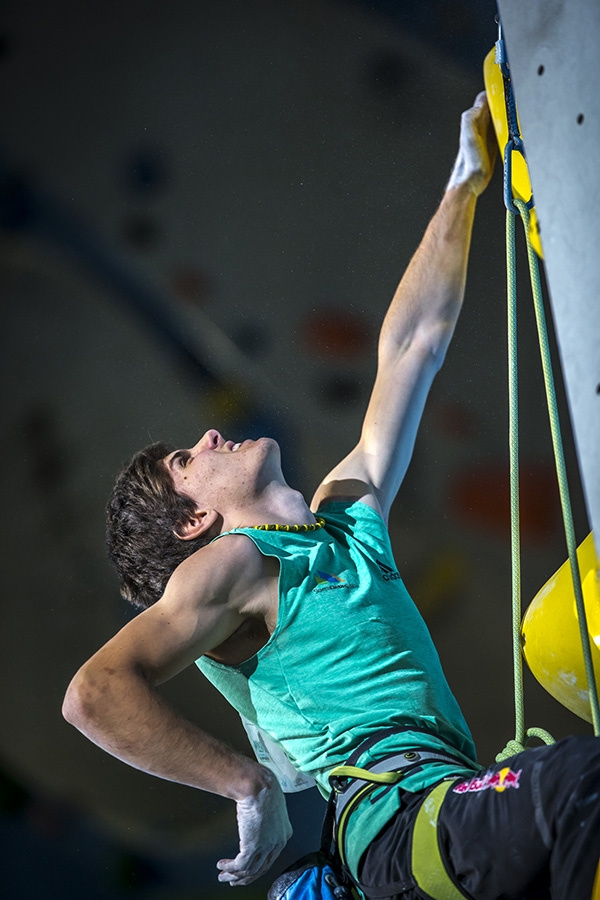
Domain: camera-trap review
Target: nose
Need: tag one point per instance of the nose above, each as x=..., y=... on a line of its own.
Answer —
x=211, y=439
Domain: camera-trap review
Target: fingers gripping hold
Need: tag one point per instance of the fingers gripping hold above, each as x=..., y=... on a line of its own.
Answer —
x=477, y=148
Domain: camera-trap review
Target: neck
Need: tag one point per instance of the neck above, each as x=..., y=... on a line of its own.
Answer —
x=282, y=505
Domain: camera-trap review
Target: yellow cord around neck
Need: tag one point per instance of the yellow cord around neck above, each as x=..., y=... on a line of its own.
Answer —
x=297, y=528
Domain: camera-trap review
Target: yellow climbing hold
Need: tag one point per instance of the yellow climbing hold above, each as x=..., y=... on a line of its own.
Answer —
x=521, y=184
x=551, y=637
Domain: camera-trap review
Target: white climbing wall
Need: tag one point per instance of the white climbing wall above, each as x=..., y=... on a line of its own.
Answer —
x=553, y=55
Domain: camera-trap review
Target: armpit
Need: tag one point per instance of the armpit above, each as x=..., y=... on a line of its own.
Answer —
x=346, y=490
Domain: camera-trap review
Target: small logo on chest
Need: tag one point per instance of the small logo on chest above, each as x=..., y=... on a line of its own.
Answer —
x=387, y=573
x=327, y=578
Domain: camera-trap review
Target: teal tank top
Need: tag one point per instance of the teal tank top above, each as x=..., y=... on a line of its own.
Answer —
x=350, y=655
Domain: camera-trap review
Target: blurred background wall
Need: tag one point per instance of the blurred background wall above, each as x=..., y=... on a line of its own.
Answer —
x=205, y=208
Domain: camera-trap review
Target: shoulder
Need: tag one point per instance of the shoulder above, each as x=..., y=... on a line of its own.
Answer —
x=223, y=570
x=358, y=522
x=207, y=600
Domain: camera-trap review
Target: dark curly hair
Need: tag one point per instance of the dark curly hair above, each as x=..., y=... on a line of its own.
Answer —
x=143, y=512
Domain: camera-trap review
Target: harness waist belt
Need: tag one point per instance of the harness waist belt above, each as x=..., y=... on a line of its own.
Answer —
x=389, y=770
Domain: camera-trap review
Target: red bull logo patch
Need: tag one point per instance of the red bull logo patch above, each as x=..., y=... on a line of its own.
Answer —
x=497, y=781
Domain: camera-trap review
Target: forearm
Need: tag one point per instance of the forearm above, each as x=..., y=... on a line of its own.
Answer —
x=121, y=712
x=429, y=297
x=418, y=327
x=428, y=300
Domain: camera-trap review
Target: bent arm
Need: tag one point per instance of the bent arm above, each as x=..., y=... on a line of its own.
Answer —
x=416, y=331
x=114, y=702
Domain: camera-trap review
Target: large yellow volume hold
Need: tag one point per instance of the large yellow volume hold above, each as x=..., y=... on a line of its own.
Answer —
x=551, y=637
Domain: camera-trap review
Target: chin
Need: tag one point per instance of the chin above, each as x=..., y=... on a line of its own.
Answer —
x=272, y=442
x=268, y=444
x=270, y=454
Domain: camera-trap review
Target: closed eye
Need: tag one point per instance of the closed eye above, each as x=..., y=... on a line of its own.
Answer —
x=180, y=459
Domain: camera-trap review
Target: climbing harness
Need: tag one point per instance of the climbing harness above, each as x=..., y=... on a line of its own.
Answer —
x=427, y=864
x=516, y=206
x=352, y=785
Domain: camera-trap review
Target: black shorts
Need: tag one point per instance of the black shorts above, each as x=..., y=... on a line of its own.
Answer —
x=527, y=828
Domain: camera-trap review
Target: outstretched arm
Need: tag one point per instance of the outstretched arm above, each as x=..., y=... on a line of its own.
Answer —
x=113, y=701
x=417, y=330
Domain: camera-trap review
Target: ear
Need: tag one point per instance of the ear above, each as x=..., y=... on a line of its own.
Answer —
x=197, y=525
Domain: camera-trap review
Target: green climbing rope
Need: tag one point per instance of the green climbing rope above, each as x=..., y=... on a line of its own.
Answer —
x=561, y=469
x=521, y=736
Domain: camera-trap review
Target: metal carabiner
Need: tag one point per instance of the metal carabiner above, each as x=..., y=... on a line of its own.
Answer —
x=514, y=142
x=513, y=145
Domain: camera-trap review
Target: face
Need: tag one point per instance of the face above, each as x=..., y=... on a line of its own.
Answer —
x=216, y=472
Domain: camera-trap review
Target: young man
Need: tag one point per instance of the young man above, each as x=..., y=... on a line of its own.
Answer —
x=309, y=632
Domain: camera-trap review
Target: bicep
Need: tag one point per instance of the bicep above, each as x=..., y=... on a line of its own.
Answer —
x=163, y=640
x=373, y=471
x=202, y=606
